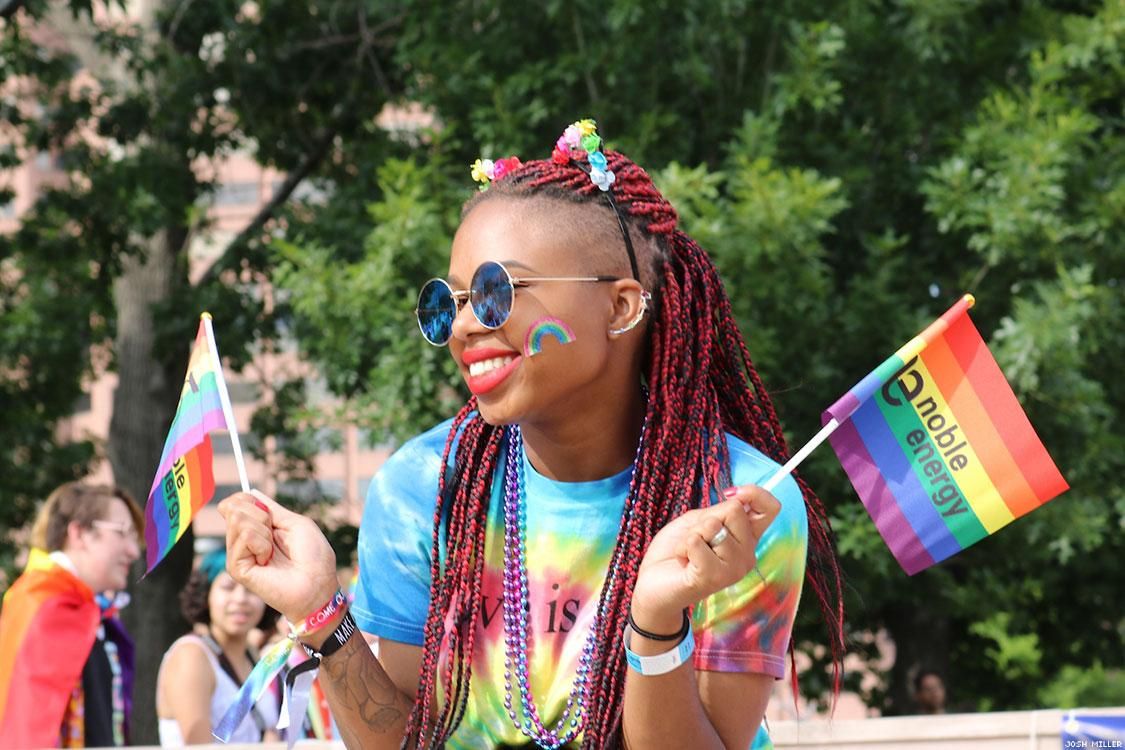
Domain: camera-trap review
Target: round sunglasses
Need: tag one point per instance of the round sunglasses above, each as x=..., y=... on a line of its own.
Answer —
x=491, y=294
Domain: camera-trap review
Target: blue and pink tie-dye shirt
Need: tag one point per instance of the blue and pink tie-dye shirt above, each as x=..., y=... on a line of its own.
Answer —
x=571, y=531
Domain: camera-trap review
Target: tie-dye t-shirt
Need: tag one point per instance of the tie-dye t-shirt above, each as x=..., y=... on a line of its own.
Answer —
x=571, y=531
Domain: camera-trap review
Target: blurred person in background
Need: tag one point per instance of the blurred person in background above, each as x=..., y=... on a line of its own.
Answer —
x=202, y=671
x=66, y=662
x=929, y=692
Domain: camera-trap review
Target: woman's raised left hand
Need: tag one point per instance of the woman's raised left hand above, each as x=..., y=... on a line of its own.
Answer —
x=680, y=568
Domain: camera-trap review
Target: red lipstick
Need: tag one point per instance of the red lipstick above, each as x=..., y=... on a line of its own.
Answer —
x=482, y=384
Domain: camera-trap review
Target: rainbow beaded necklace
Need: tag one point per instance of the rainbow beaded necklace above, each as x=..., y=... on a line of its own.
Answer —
x=517, y=606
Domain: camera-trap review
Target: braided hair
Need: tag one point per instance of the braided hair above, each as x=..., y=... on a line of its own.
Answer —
x=701, y=385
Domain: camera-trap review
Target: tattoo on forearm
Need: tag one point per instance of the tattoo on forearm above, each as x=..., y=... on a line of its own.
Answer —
x=366, y=698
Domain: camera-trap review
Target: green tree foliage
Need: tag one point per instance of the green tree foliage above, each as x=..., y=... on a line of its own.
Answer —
x=356, y=320
x=99, y=267
x=853, y=168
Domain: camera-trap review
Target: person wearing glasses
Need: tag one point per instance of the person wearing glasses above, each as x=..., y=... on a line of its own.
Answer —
x=66, y=662
x=581, y=556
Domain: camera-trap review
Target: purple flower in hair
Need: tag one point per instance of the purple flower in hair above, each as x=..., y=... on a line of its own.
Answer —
x=572, y=136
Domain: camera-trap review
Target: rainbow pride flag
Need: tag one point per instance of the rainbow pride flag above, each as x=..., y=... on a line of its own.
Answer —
x=937, y=446
x=184, y=481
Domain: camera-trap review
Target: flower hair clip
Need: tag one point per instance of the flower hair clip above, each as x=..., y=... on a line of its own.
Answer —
x=487, y=171
x=581, y=139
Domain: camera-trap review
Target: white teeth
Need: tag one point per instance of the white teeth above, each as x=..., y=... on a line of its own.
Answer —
x=476, y=369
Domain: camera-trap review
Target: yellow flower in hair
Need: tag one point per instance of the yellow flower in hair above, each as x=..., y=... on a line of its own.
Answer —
x=482, y=170
x=586, y=127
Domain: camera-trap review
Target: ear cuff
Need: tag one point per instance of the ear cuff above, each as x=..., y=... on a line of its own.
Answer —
x=646, y=298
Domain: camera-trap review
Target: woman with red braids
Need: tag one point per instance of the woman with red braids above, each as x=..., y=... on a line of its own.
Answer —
x=581, y=556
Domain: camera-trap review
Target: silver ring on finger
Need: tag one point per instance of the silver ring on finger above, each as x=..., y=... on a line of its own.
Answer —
x=720, y=537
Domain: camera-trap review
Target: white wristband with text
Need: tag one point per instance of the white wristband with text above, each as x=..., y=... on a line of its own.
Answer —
x=660, y=663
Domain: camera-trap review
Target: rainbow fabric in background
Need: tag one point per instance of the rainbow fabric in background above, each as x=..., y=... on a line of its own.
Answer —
x=184, y=480
x=937, y=446
x=38, y=675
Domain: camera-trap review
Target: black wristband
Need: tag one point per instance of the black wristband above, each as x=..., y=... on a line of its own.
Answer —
x=336, y=641
x=677, y=636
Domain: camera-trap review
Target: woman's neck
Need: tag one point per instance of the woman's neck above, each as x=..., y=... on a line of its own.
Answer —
x=586, y=446
x=234, y=646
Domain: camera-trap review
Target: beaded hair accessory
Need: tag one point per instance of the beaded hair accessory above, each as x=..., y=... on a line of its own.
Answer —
x=581, y=141
x=486, y=171
x=580, y=146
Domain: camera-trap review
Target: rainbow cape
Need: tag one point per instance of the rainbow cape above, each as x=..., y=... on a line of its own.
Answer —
x=184, y=481
x=47, y=628
x=937, y=446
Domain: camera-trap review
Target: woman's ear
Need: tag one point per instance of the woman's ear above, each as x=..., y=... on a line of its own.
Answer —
x=74, y=539
x=630, y=304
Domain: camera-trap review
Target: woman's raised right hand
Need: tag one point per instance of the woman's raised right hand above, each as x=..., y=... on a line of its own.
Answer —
x=279, y=555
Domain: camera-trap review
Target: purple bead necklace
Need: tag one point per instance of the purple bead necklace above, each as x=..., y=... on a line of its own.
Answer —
x=517, y=608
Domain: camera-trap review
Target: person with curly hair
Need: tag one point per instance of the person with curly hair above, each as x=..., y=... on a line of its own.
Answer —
x=581, y=556
x=201, y=672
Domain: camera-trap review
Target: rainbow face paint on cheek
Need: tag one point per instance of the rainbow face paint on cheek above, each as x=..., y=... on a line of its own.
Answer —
x=543, y=329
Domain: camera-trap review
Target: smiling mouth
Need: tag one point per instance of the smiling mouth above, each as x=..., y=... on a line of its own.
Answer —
x=487, y=374
x=476, y=369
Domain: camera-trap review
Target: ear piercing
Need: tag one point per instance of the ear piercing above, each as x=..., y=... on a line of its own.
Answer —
x=646, y=298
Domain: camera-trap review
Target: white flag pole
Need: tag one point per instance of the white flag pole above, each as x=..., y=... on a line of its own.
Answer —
x=224, y=399
x=801, y=455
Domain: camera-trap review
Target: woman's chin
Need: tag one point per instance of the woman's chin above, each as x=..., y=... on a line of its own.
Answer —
x=496, y=414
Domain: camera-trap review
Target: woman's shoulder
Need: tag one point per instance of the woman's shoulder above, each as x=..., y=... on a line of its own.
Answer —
x=749, y=465
x=409, y=477
x=189, y=647
x=190, y=660
x=745, y=459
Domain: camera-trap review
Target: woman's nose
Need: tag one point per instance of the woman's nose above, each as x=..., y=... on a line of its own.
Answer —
x=465, y=323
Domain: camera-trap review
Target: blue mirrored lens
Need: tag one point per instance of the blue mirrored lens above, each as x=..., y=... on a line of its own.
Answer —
x=491, y=295
x=436, y=311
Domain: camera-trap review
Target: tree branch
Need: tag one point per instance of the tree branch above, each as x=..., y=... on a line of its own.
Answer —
x=591, y=87
x=315, y=155
x=312, y=159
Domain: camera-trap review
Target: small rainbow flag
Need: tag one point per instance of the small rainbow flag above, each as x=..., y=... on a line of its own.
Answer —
x=937, y=446
x=184, y=482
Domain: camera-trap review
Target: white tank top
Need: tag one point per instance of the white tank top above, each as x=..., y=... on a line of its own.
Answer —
x=225, y=691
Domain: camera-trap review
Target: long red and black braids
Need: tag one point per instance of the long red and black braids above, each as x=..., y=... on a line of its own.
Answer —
x=702, y=383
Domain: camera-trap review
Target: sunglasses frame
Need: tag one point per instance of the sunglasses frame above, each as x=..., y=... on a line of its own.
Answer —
x=514, y=282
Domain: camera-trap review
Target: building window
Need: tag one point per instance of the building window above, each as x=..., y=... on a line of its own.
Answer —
x=331, y=489
x=302, y=491
x=244, y=392
x=311, y=490
x=237, y=194
x=223, y=491
x=330, y=439
x=312, y=441
x=45, y=161
x=221, y=444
